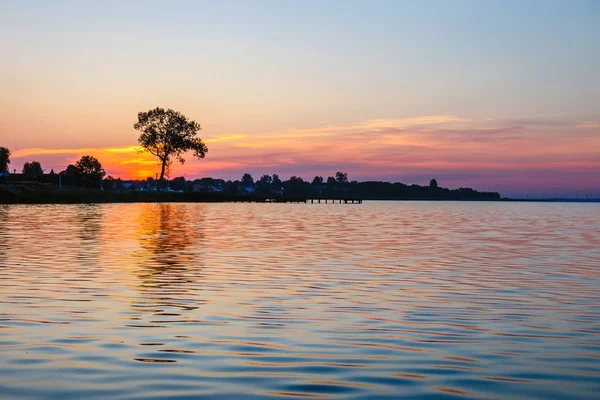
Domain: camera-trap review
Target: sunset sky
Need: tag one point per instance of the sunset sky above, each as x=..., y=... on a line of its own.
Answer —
x=494, y=95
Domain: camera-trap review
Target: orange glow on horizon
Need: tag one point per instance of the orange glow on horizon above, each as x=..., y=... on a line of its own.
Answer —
x=445, y=144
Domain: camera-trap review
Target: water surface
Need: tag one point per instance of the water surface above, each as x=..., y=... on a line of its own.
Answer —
x=379, y=300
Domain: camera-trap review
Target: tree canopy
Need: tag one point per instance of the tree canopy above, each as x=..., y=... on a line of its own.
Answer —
x=33, y=170
x=266, y=180
x=247, y=180
x=318, y=180
x=276, y=180
x=4, y=159
x=433, y=184
x=91, y=170
x=167, y=134
x=341, y=177
x=70, y=171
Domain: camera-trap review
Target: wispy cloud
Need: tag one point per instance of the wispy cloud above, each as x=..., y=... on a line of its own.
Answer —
x=224, y=138
x=38, y=152
x=589, y=125
x=410, y=122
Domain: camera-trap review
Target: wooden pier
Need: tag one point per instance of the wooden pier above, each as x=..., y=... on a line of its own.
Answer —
x=319, y=200
x=306, y=200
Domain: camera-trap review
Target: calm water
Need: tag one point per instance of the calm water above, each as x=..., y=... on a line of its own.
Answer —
x=379, y=300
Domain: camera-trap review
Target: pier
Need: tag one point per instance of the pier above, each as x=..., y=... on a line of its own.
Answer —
x=306, y=200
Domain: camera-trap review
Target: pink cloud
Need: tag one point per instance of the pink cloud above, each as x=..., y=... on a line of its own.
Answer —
x=512, y=154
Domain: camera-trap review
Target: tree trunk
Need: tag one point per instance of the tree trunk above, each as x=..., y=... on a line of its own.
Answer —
x=162, y=174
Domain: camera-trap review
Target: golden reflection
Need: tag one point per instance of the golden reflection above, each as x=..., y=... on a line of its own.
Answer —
x=3, y=229
x=89, y=221
x=169, y=259
x=166, y=232
x=89, y=218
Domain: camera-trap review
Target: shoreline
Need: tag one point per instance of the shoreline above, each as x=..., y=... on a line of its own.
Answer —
x=92, y=196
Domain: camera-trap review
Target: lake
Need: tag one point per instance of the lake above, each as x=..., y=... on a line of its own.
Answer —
x=379, y=300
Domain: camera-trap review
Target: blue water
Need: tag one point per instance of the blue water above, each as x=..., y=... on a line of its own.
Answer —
x=378, y=300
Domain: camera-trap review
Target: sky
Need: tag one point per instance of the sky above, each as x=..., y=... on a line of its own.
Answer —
x=501, y=96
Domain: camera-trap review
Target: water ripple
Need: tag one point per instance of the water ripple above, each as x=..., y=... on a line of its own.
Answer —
x=382, y=300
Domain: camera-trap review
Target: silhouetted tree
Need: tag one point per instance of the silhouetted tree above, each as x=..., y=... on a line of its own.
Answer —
x=168, y=134
x=295, y=180
x=70, y=175
x=109, y=183
x=263, y=185
x=265, y=180
x=91, y=170
x=4, y=159
x=33, y=170
x=341, y=177
x=247, y=180
x=331, y=181
x=276, y=181
x=318, y=180
x=433, y=184
x=70, y=171
x=178, y=183
x=232, y=187
x=296, y=186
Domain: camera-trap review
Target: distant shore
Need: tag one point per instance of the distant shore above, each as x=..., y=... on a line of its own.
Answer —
x=90, y=196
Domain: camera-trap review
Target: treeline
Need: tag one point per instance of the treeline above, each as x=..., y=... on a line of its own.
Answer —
x=88, y=172
x=337, y=186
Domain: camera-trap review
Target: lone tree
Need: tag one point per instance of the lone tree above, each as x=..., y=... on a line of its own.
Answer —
x=433, y=184
x=33, y=170
x=168, y=134
x=91, y=170
x=4, y=159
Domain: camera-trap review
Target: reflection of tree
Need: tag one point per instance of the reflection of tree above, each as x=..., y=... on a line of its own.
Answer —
x=89, y=222
x=170, y=236
x=166, y=233
x=3, y=231
x=89, y=219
